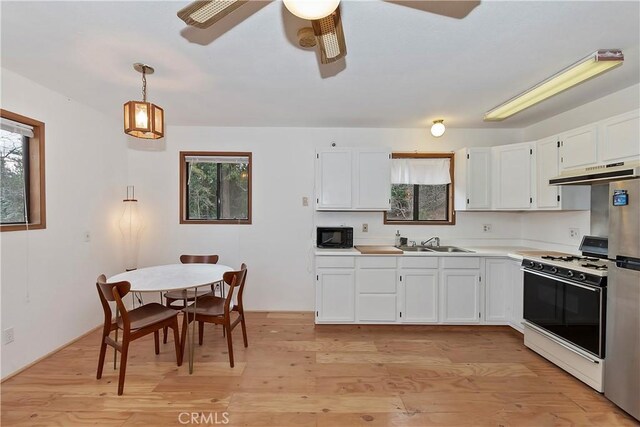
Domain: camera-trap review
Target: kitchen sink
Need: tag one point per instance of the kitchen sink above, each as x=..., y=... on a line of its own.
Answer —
x=433, y=249
x=449, y=249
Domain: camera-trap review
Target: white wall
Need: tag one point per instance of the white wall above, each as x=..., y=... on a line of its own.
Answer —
x=277, y=246
x=48, y=292
x=608, y=106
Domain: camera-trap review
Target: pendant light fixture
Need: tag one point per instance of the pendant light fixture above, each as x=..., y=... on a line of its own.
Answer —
x=143, y=119
x=593, y=65
x=437, y=129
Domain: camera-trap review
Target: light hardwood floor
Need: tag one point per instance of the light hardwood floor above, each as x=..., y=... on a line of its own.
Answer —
x=298, y=374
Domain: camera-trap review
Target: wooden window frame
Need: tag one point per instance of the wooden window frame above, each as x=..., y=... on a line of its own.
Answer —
x=452, y=211
x=183, y=187
x=37, y=212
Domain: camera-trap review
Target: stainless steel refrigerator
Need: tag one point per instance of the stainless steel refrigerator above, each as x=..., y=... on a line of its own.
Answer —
x=622, y=357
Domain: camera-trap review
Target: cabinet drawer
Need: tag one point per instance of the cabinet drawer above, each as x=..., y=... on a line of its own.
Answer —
x=377, y=308
x=460, y=262
x=335, y=262
x=419, y=262
x=377, y=262
x=381, y=281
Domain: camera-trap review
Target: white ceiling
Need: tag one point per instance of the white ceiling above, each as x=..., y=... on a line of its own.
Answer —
x=404, y=68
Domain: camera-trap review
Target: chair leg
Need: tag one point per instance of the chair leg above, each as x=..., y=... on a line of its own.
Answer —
x=244, y=330
x=227, y=326
x=103, y=352
x=176, y=339
x=183, y=339
x=164, y=330
x=156, y=340
x=123, y=365
x=200, y=332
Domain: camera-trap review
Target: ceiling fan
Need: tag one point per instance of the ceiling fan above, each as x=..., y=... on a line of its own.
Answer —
x=326, y=24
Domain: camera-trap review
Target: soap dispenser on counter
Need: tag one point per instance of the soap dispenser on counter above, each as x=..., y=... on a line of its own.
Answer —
x=397, y=244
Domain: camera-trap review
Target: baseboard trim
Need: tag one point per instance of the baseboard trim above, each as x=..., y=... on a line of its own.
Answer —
x=51, y=353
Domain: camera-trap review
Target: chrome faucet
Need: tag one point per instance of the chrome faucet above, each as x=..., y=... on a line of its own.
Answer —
x=436, y=240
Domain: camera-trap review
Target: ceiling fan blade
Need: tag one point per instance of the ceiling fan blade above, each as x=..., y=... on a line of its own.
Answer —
x=453, y=9
x=203, y=14
x=330, y=36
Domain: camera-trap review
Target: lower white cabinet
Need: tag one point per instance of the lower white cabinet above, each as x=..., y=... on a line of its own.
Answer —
x=377, y=292
x=498, y=290
x=517, y=296
x=418, y=295
x=335, y=295
x=460, y=296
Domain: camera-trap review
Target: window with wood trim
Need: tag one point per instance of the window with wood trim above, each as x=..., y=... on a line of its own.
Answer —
x=22, y=189
x=421, y=189
x=215, y=187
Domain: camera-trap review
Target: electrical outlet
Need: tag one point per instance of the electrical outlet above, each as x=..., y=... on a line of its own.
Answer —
x=574, y=233
x=7, y=336
x=305, y=201
x=486, y=228
x=365, y=228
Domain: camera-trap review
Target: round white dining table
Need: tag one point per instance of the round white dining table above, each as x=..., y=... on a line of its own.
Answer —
x=173, y=277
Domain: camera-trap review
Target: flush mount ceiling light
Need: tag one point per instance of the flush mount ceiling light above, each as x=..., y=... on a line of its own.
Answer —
x=143, y=119
x=437, y=129
x=591, y=66
x=311, y=9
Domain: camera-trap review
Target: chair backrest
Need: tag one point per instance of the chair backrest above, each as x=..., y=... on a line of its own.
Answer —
x=233, y=279
x=243, y=267
x=109, y=292
x=199, y=259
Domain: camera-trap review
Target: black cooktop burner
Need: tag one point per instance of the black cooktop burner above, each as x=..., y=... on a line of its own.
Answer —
x=594, y=266
x=568, y=258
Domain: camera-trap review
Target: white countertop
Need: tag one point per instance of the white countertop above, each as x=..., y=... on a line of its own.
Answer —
x=485, y=251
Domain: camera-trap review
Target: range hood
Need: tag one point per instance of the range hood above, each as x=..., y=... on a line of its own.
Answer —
x=598, y=174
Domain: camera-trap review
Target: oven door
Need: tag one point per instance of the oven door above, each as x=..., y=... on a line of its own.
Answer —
x=571, y=311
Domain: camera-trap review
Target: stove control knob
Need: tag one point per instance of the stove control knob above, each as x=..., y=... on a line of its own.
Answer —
x=531, y=263
x=539, y=267
x=581, y=276
x=570, y=273
x=553, y=270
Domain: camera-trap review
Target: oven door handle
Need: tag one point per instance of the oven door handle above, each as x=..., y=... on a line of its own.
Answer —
x=558, y=341
x=587, y=287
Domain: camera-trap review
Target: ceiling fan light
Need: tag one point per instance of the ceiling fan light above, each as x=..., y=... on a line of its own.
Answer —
x=585, y=69
x=438, y=128
x=311, y=9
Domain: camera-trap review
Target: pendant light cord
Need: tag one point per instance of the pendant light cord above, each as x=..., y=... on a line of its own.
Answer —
x=144, y=84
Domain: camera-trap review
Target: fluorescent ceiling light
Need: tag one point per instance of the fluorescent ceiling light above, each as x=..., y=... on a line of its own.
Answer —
x=591, y=66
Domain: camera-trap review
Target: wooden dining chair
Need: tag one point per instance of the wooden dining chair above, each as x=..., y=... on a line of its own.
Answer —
x=216, y=310
x=134, y=324
x=179, y=296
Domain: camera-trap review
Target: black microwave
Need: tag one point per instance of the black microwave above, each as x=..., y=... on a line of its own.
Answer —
x=334, y=237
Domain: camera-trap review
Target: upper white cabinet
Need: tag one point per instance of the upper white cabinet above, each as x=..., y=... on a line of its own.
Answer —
x=579, y=147
x=353, y=179
x=551, y=197
x=619, y=138
x=334, y=170
x=513, y=176
x=473, y=179
x=372, y=179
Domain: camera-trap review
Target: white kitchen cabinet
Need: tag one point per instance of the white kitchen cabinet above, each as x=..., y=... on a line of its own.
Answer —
x=334, y=170
x=497, y=290
x=554, y=197
x=335, y=289
x=419, y=295
x=350, y=179
x=517, y=296
x=619, y=138
x=376, y=285
x=513, y=176
x=473, y=179
x=372, y=179
x=335, y=295
x=460, y=296
x=579, y=147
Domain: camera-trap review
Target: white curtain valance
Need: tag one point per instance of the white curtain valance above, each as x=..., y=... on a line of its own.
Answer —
x=420, y=171
x=16, y=127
